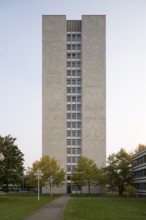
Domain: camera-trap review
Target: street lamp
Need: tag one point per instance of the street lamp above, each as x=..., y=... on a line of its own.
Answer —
x=2, y=157
x=38, y=174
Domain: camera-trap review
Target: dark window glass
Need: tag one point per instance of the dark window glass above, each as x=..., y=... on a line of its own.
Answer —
x=78, y=141
x=73, y=81
x=73, y=47
x=68, y=72
x=78, y=98
x=69, y=124
x=69, y=107
x=68, y=159
x=78, y=72
x=78, y=115
x=73, y=159
x=73, y=73
x=78, y=133
x=69, y=133
x=73, y=56
x=69, y=168
x=73, y=150
x=79, y=107
x=78, y=124
x=73, y=90
x=78, y=47
x=78, y=37
x=69, y=37
x=73, y=107
x=78, y=55
x=73, y=116
x=78, y=64
x=69, y=98
x=73, y=37
x=69, y=47
x=73, y=133
x=68, y=82
x=68, y=150
x=68, y=115
x=69, y=56
x=78, y=81
x=78, y=89
x=69, y=90
x=73, y=124
x=73, y=142
x=78, y=150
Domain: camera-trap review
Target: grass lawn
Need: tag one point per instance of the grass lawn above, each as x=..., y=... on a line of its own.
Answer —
x=16, y=207
x=105, y=209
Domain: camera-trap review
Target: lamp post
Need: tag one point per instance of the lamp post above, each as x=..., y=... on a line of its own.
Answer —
x=2, y=157
x=38, y=174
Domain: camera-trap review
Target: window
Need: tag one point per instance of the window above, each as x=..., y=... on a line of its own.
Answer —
x=73, y=47
x=78, y=55
x=78, y=81
x=78, y=64
x=73, y=73
x=68, y=82
x=78, y=47
x=68, y=159
x=73, y=150
x=79, y=107
x=69, y=168
x=73, y=107
x=78, y=115
x=69, y=56
x=73, y=90
x=68, y=124
x=73, y=64
x=73, y=82
x=78, y=98
x=73, y=159
x=73, y=142
x=73, y=116
x=78, y=158
x=79, y=124
x=68, y=133
x=68, y=150
x=69, y=107
x=73, y=133
x=68, y=72
x=69, y=47
x=69, y=37
x=73, y=56
x=68, y=64
x=78, y=150
x=69, y=90
x=78, y=37
x=69, y=142
x=78, y=141
x=78, y=72
x=78, y=133
x=68, y=115
x=78, y=89
x=73, y=124
x=73, y=98
x=73, y=37
x=68, y=98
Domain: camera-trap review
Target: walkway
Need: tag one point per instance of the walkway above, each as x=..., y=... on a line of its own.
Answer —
x=51, y=211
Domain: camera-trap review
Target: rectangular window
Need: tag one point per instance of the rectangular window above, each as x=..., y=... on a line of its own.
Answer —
x=68, y=115
x=69, y=37
x=79, y=124
x=73, y=124
x=69, y=56
x=78, y=37
x=68, y=82
x=73, y=56
x=78, y=81
x=78, y=133
x=68, y=98
x=78, y=72
x=68, y=72
x=73, y=98
x=68, y=107
x=73, y=73
x=69, y=142
x=78, y=47
x=79, y=107
x=73, y=159
x=73, y=37
x=79, y=142
x=78, y=115
x=68, y=150
x=79, y=151
x=78, y=89
x=73, y=133
x=69, y=168
x=73, y=90
x=78, y=55
x=73, y=116
x=69, y=47
x=73, y=142
x=73, y=107
x=78, y=64
x=68, y=64
x=73, y=150
x=68, y=124
x=68, y=133
x=68, y=159
x=73, y=82
x=78, y=98
x=73, y=47
x=73, y=64
x=69, y=90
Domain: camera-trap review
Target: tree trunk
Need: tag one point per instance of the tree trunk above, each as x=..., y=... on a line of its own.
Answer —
x=120, y=189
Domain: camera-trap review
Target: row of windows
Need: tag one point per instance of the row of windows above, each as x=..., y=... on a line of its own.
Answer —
x=73, y=37
x=73, y=115
x=73, y=159
x=73, y=98
x=74, y=124
x=74, y=90
x=73, y=133
x=139, y=161
x=140, y=186
x=74, y=64
x=73, y=81
x=140, y=173
x=73, y=55
x=73, y=142
x=73, y=72
x=70, y=168
x=74, y=47
x=74, y=151
x=74, y=107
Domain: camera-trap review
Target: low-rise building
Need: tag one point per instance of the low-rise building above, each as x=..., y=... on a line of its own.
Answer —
x=139, y=172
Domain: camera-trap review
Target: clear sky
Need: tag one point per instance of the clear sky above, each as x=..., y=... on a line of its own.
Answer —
x=21, y=69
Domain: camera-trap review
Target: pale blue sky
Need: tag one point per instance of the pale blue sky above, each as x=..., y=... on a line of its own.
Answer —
x=21, y=69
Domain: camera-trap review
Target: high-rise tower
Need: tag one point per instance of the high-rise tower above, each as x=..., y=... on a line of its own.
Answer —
x=74, y=91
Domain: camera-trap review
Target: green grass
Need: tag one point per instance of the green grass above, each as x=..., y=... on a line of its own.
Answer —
x=105, y=209
x=16, y=207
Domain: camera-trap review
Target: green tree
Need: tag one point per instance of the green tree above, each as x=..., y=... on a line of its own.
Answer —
x=87, y=174
x=51, y=172
x=140, y=148
x=118, y=170
x=11, y=168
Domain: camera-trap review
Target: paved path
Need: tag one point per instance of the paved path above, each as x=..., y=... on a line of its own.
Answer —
x=51, y=211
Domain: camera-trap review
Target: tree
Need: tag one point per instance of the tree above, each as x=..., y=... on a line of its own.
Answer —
x=118, y=170
x=87, y=173
x=140, y=148
x=51, y=172
x=11, y=168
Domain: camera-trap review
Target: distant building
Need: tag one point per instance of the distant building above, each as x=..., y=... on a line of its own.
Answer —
x=139, y=172
x=74, y=91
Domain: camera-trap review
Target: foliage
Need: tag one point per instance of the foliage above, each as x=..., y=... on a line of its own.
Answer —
x=118, y=170
x=87, y=173
x=11, y=168
x=140, y=148
x=51, y=172
x=130, y=190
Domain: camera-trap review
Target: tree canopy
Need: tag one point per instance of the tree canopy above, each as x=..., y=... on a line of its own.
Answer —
x=51, y=172
x=87, y=173
x=118, y=170
x=140, y=148
x=11, y=168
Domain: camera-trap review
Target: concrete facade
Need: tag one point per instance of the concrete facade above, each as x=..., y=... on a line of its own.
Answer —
x=139, y=172
x=74, y=91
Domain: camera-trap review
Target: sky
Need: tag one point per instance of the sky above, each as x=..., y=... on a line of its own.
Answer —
x=21, y=69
